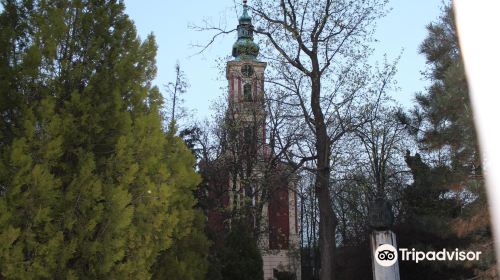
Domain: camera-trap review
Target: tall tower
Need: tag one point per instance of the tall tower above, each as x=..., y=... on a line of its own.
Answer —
x=245, y=75
x=247, y=115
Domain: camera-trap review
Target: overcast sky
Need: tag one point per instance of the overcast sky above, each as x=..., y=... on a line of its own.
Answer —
x=403, y=28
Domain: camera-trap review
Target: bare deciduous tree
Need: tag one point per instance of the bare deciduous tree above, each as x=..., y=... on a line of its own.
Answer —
x=175, y=90
x=317, y=52
x=320, y=48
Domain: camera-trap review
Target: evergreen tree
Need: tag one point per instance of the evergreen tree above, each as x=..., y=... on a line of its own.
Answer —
x=90, y=185
x=186, y=258
x=240, y=258
x=445, y=110
x=447, y=198
x=427, y=212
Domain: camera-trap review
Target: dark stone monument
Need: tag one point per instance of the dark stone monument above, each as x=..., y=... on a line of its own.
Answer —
x=381, y=220
x=380, y=215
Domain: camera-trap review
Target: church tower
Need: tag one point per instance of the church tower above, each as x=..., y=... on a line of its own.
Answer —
x=245, y=75
x=246, y=114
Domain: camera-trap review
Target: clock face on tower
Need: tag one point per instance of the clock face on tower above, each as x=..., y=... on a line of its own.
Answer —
x=247, y=70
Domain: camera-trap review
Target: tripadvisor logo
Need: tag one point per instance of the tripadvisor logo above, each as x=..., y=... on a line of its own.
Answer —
x=443, y=255
x=386, y=255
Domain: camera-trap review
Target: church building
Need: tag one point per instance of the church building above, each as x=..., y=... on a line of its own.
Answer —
x=265, y=192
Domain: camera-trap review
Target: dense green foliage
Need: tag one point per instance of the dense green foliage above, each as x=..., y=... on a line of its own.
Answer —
x=444, y=111
x=446, y=205
x=91, y=187
x=240, y=257
x=186, y=259
x=235, y=255
x=429, y=211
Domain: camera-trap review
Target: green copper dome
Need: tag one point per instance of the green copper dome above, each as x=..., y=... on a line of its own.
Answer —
x=245, y=48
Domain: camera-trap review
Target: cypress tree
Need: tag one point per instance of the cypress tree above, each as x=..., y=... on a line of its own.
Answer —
x=91, y=187
x=186, y=258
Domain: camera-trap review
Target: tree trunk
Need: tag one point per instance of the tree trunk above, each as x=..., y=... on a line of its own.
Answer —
x=327, y=226
x=327, y=218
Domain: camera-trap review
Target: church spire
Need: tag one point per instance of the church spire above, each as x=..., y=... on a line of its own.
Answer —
x=245, y=48
x=245, y=15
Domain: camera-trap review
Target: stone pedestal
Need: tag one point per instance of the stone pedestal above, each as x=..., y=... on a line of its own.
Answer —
x=377, y=238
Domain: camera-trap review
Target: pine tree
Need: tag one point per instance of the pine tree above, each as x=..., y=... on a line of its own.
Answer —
x=90, y=185
x=427, y=212
x=442, y=123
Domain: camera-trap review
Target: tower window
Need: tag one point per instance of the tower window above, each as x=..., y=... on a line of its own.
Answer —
x=249, y=136
x=247, y=92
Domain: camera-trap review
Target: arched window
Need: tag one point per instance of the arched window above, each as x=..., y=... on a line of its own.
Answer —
x=247, y=92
